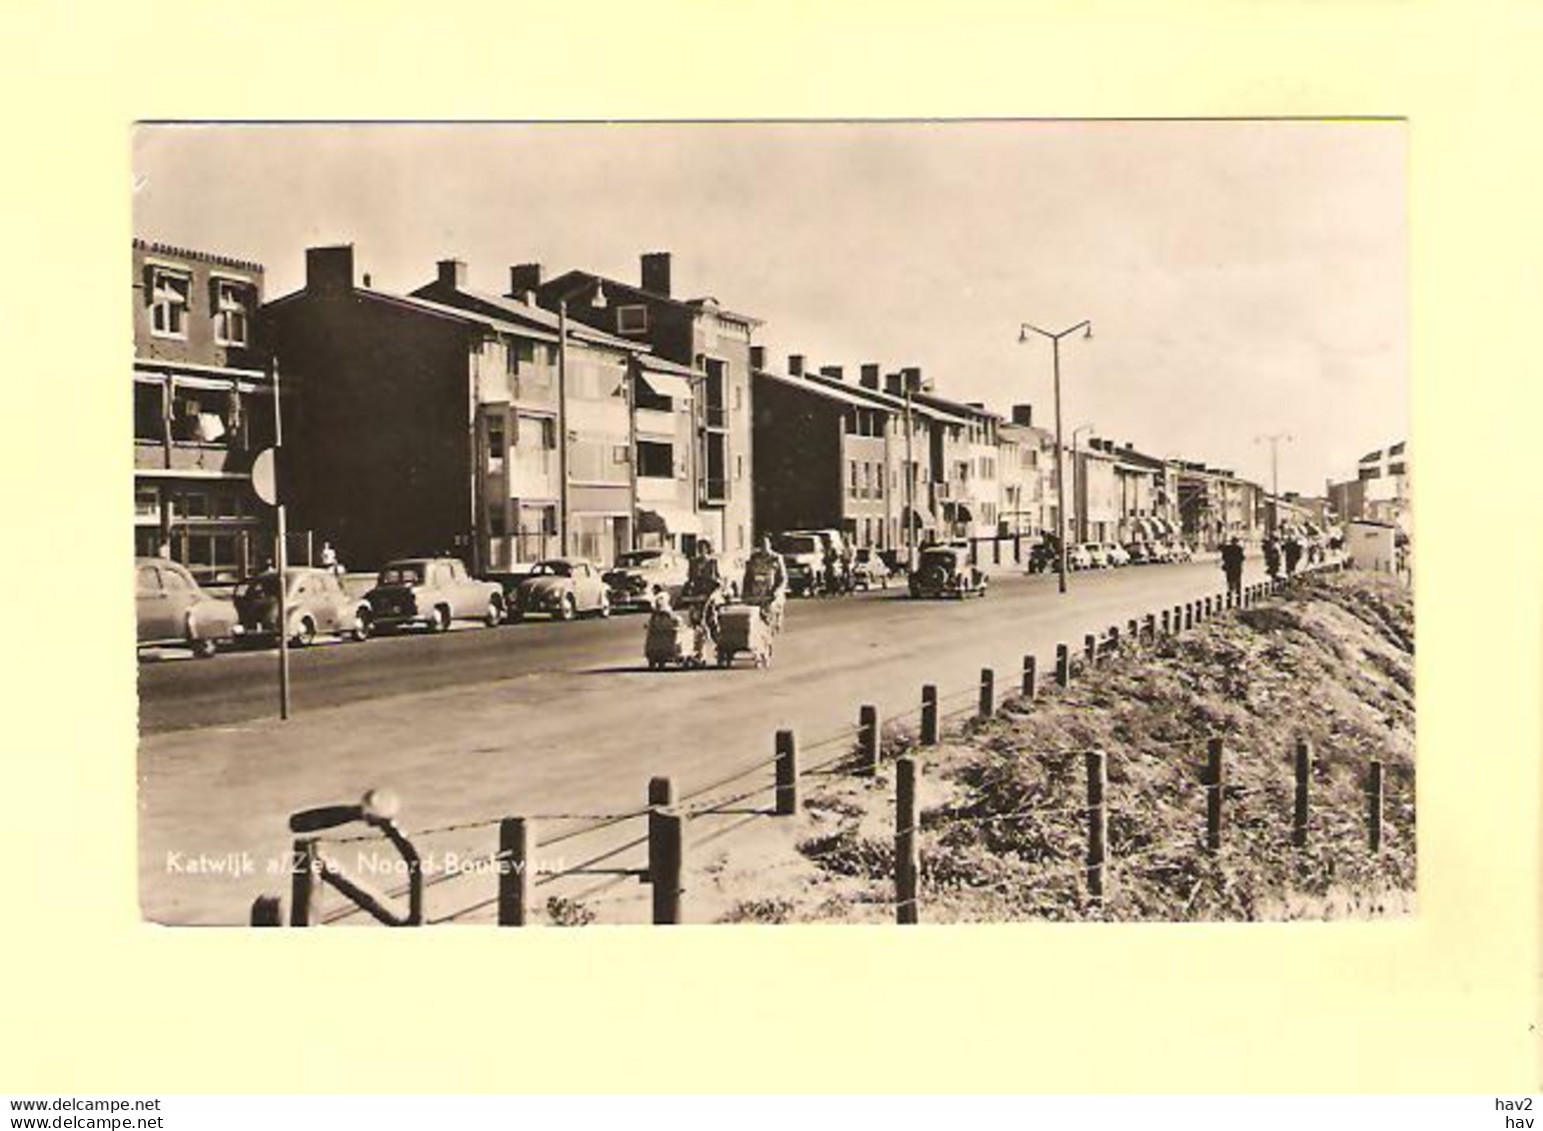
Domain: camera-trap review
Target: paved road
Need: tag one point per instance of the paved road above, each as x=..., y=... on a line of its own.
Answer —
x=556, y=718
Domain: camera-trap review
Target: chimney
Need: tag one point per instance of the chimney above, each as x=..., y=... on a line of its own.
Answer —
x=757, y=357
x=894, y=384
x=869, y=378
x=329, y=270
x=1129, y=447
x=1023, y=414
x=795, y=365
x=452, y=273
x=656, y=273
x=831, y=371
x=524, y=278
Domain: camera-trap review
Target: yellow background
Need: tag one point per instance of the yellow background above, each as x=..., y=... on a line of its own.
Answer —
x=92, y=1000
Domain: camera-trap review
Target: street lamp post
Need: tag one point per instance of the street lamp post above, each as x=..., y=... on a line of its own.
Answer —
x=1274, y=440
x=1060, y=452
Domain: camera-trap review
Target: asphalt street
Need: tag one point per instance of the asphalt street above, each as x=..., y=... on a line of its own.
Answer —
x=544, y=718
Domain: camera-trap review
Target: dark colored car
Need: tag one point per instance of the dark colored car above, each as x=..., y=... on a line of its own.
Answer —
x=316, y=604
x=945, y=571
x=171, y=608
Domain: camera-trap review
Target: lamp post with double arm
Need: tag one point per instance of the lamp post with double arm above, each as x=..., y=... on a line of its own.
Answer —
x=1060, y=452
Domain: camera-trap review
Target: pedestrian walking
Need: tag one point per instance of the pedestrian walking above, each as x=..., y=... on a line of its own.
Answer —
x=1272, y=557
x=1232, y=565
x=766, y=582
x=1293, y=554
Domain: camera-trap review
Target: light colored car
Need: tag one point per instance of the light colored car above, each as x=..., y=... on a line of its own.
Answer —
x=315, y=604
x=631, y=581
x=1116, y=554
x=562, y=588
x=1097, y=555
x=1078, y=557
x=171, y=608
x=803, y=553
x=432, y=593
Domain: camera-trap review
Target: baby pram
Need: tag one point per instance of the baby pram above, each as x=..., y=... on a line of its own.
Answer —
x=743, y=629
x=671, y=639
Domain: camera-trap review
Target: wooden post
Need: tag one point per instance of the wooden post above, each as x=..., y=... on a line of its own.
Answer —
x=787, y=774
x=1063, y=666
x=1374, y=806
x=929, y=714
x=1189, y=614
x=665, y=850
x=1133, y=630
x=1178, y=619
x=1098, y=823
x=1113, y=644
x=1090, y=650
x=988, y=698
x=868, y=738
x=1215, y=781
x=1030, y=686
x=1304, y=765
x=516, y=871
x=907, y=854
x=305, y=886
x=1152, y=625
x=267, y=911
x=1165, y=622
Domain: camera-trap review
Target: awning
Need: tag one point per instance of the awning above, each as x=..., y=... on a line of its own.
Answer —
x=918, y=520
x=956, y=512
x=667, y=521
x=666, y=385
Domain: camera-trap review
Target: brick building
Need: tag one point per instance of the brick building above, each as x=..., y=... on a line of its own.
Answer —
x=203, y=409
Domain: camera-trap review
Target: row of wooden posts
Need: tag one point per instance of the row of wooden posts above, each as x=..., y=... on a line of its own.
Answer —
x=666, y=844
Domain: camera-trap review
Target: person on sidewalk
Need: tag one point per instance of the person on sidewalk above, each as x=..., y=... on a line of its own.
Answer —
x=766, y=582
x=1232, y=565
x=1272, y=557
x=1293, y=553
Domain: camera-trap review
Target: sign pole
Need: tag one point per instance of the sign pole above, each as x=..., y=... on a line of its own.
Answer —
x=281, y=559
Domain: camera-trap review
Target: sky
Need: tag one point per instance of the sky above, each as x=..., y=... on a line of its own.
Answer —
x=1243, y=278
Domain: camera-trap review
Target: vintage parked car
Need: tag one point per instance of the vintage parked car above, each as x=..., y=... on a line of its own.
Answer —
x=945, y=571
x=1097, y=556
x=1139, y=553
x=869, y=569
x=803, y=554
x=630, y=583
x=316, y=604
x=1116, y=554
x=561, y=588
x=1078, y=557
x=1045, y=556
x=432, y=592
x=171, y=608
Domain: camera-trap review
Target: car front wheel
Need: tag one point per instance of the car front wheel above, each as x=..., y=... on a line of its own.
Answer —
x=568, y=609
x=441, y=622
x=494, y=616
x=305, y=635
x=361, y=629
x=605, y=606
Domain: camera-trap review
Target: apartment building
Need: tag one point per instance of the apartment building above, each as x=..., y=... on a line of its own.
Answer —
x=203, y=409
x=700, y=335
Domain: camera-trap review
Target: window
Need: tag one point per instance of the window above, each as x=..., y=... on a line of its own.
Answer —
x=852, y=478
x=148, y=408
x=230, y=312
x=169, y=292
x=147, y=502
x=496, y=444
x=739, y=467
x=632, y=319
x=655, y=460
x=195, y=504
x=549, y=433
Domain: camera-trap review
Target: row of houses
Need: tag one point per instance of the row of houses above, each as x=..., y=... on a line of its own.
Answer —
x=578, y=414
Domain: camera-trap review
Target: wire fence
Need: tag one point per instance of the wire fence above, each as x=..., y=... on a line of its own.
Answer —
x=860, y=749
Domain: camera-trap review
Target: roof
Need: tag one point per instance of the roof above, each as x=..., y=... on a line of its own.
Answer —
x=653, y=363
x=695, y=305
x=888, y=400
x=956, y=407
x=538, y=317
x=420, y=305
x=199, y=256
x=819, y=389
